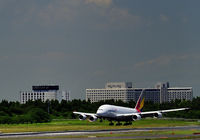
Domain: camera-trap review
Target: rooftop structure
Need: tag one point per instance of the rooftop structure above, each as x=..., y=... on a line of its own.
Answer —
x=45, y=88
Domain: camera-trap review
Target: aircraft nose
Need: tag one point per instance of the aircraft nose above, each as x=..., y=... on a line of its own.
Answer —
x=100, y=112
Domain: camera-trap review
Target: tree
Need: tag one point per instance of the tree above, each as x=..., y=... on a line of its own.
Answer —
x=38, y=115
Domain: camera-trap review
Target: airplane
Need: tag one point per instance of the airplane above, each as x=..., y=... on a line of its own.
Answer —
x=119, y=113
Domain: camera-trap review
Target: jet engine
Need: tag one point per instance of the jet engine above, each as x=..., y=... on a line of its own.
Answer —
x=82, y=117
x=92, y=118
x=136, y=117
x=158, y=115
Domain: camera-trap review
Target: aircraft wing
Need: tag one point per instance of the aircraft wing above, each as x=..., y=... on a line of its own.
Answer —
x=162, y=111
x=150, y=112
x=86, y=114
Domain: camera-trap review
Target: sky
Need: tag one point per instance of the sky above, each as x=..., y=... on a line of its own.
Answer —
x=81, y=44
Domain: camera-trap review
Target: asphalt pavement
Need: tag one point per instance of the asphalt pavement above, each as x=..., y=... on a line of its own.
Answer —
x=72, y=133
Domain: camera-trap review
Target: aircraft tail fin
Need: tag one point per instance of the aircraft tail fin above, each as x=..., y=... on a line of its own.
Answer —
x=140, y=102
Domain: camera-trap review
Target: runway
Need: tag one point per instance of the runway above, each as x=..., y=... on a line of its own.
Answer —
x=65, y=133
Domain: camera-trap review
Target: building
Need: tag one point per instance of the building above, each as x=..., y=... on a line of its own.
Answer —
x=182, y=93
x=44, y=93
x=125, y=92
x=169, y=94
x=122, y=91
x=63, y=95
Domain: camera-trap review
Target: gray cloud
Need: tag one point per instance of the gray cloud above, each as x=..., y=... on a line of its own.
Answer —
x=98, y=14
x=164, y=18
x=104, y=3
x=167, y=60
x=85, y=43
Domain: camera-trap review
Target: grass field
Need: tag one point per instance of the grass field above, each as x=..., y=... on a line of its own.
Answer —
x=65, y=125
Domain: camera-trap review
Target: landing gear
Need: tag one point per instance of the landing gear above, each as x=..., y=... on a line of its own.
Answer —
x=111, y=123
x=127, y=123
x=101, y=120
x=119, y=123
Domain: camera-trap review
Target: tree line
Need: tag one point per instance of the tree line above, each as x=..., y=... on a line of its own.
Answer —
x=38, y=111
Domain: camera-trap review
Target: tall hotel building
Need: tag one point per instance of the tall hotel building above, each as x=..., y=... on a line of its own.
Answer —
x=44, y=93
x=125, y=92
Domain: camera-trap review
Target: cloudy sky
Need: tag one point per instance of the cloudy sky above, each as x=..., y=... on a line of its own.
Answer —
x=81, y=44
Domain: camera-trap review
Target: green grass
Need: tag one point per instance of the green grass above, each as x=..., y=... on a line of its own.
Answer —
x=65, y=125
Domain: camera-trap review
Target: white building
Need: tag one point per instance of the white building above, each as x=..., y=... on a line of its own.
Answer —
x=116, y=91
x=32, y=95
x=63, y=95
x=95, y=95
x=125, y=92
x=44, y=93
x=182, y=93
x=121, y=91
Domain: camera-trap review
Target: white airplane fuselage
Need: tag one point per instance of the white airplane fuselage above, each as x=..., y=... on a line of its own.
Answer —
x=111, y=111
